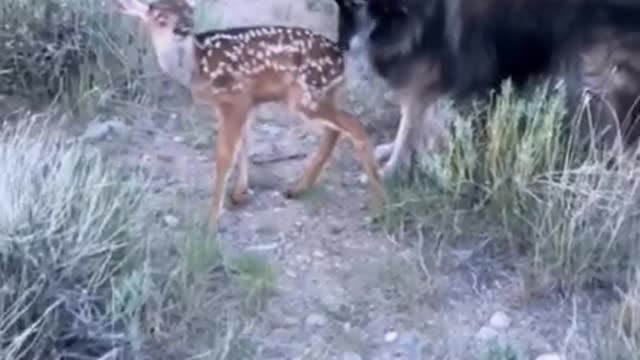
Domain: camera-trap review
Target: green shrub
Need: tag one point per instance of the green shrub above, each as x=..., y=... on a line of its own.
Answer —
x=522, y=181
x=86, y=271
x=619, y=338
x=69, y=230
x=69, y=51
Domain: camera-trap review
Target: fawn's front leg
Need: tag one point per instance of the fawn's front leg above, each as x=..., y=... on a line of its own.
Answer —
x=232, y=120
x=364, y=151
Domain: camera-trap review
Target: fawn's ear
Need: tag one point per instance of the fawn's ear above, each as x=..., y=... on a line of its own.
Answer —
x=132, y=8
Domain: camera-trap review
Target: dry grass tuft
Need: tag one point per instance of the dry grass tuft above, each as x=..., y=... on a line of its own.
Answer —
x=69, y=232
x=70, y=52
x=86, y=271
x=567, y=215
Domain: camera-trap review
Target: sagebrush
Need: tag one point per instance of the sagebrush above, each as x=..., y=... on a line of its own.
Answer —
x=70, y=52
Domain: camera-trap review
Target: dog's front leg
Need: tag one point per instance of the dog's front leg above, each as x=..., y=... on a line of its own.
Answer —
x=407, y=109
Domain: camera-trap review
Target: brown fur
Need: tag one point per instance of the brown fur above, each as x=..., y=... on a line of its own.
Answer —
x=234, y=70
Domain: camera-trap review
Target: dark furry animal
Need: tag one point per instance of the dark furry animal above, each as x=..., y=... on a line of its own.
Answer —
x=426, y=49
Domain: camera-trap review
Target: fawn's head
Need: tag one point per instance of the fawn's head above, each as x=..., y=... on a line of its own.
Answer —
x=170, y=26
x=162, y=16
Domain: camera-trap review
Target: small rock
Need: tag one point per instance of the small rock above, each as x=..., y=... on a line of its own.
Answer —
x=486, y=334
x=315, y=320
x=171, y=221
x=550, y=356
x=336, y=228
x=179, y=139
x=288, y=321
x=350, y=355
x=499, y=320
x=318, y=254
x=166, y=158
x=391, y=336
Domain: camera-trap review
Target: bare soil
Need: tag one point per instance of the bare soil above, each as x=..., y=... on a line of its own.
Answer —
x=346, y=288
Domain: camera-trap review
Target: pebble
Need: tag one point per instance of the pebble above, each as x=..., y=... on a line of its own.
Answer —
x=486, y=334
x=350, y=355
x=499, y=320
x=166, y=158
x=391, y=336
x=315, y=320
x=179, y=139
x=550, y=356
x=202, y=158
x=336, y=228
x=318, y=254
x=171, y=221
x=303, y=259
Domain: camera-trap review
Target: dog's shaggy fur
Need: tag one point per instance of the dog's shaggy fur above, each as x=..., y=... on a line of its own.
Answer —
x=426, y=49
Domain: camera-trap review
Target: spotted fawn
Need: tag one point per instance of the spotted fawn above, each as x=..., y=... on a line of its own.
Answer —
x=233, y=70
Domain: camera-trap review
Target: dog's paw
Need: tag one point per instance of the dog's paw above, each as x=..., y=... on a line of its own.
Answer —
x=383, y=152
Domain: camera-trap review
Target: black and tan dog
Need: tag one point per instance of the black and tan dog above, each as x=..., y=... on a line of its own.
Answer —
x=426, y=49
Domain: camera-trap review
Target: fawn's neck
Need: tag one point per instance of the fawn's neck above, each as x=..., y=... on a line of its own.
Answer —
x=175, y=56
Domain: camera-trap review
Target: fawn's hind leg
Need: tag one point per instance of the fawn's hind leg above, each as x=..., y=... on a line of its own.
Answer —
x=241, y=192
x=342, y=122
x=364, y=150
x=316, y=163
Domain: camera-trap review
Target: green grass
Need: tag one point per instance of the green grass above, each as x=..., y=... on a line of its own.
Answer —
x=619, y=338
x=71, y=52
x=87, y=271
x=522, y=181
x=497, y=351
x=69, y=228
x=567, y=216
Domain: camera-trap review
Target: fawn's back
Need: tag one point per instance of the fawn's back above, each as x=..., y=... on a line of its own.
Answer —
x=267, y=63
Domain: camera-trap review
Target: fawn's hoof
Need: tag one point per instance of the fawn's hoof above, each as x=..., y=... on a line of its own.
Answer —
x=240, y=198
x=293, y=192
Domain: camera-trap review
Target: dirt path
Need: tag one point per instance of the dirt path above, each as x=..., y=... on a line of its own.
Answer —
x=345, y=289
